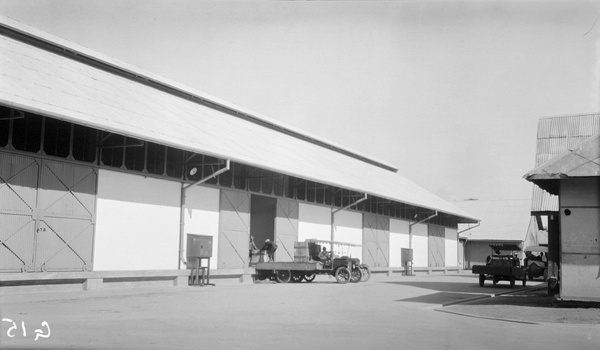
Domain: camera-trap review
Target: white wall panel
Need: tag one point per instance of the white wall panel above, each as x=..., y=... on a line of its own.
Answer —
x=202, y=216
x=581, y=192
x=579, y=275
x=461, y=255
x=314, y=222
x=349, y=229
x=420, y=243
x=137, y=226
x=399, y=238
x=451, y=247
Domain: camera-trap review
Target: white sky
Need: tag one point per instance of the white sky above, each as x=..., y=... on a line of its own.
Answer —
x=450, y=92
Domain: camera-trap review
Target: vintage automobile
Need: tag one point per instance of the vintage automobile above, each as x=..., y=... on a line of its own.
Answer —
x=344, y=269
x=536, y=261
x=501, y=267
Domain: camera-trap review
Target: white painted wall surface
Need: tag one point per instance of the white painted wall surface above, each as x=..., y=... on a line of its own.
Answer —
x=420, y=244
x=137, y=223
x=399, y=238
x=202, y=216
x=580, y=235
x=582, y=192
x=451, y=247
x=579, y=277
x=349, y=229
x=461, y=255
x=314, y=222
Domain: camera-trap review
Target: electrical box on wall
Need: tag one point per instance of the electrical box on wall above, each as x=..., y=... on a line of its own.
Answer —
x=199, y=246
x=406, y=255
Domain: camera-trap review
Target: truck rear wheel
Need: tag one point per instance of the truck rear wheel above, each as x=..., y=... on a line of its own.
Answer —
x=283, y=276
x=309, y=277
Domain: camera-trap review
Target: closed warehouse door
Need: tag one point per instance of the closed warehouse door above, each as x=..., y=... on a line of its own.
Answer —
x=286, y=226
x=376, y=241
x=234, y=230
x=47, y=215
x=437, y=250
x=18, y=211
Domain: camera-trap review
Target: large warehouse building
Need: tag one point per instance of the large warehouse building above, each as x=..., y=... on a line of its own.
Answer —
x=105, y=167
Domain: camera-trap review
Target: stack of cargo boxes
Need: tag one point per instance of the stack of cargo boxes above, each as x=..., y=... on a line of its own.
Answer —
x=301, y=253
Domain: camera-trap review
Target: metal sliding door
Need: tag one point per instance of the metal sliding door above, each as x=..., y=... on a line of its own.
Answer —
x=234, y=230
x=67, y=206
x=286, y=228
x=376, y=240
x=18, y=211
x=437, y=247
x=47, y=215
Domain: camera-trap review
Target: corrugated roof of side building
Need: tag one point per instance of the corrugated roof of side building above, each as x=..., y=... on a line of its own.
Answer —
x=582, y=160
x=554, y=136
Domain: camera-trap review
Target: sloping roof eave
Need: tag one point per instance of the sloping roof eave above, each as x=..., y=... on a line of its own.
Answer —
x=96, y=98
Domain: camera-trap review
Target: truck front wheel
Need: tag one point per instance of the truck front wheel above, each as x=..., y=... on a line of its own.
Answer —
x=342, y=275
x=356, y=275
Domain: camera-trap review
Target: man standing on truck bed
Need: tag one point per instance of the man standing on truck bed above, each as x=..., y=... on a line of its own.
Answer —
x=270, y=248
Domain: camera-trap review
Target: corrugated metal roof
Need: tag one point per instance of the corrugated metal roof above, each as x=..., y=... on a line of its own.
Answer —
x=44, y=82
x=556, y=135
x=582, y=160
x=543, y=201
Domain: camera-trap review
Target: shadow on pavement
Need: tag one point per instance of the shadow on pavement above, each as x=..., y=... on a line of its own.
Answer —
x=532, y=306
x=440, y=298
x=535, y=298
x=456, y=286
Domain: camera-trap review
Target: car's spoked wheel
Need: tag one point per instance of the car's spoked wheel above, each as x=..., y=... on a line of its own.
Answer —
x=284, y=276
x=309, y=277
x=356, y=275
x=342, y=275
x=366, y=274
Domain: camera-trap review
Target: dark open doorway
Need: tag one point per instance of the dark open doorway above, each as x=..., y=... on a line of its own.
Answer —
x=262, y=219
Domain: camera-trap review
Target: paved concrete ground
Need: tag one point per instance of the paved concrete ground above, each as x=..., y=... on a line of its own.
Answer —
x=385, y=313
